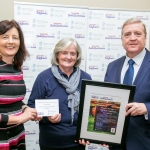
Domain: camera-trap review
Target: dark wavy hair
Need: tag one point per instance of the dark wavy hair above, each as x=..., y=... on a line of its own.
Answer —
x=22, y=53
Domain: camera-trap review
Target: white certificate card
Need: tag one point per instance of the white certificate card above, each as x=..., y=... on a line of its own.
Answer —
x=93, y=146
x=47, y=107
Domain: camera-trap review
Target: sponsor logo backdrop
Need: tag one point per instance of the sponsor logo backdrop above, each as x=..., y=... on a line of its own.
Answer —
x=97, y=31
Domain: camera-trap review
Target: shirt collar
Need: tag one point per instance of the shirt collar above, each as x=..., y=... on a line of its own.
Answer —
x=62, y=73
x=138, y=58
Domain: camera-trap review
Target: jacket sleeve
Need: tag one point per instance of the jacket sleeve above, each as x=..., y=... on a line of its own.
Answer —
x=37, y=91
x=148, y=110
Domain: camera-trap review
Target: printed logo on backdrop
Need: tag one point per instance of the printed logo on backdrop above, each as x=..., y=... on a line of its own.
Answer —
x=109, y=57
x=124, y=16
x=95, y=57
x=59, y=24
x=95, y=36
x=46, y=45
x=96, y=77
x=41, y=57
x=28, y=79
x=103, y=67
x=18, y=10
x=30, y=58
x=77, y=25
x=110, y=16
x=108, y=46
x=93, y=67
x=82, y=58
x=25, y=68
x=96, y=47
x=119, y=27
x=28, y=89
x=103, y=26
x=39, y=23
x=95, y=15
x=37, y=141
x=76, y=14
x=93, y=26
x=31, y=45
x=24, y=10
x=79, y=36
x=114, y=46
x=29, y=141
x=112, y=37
x=37, y=122
x=30, y=132
x=143, y=17
x=57, y=12
x=23, y=22
x=28, y=34
x=90, y=14
x=61, y=34
x=38, y=68
x=108, y=26
x=119, y=55
x=41, y=12
x=45, y=35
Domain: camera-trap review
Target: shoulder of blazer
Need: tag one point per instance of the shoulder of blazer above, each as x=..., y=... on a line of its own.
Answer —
x=119, y=60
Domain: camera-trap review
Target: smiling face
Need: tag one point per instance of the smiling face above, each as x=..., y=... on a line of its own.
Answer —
x=9, y=44
x=133, y=39
x=67, y=58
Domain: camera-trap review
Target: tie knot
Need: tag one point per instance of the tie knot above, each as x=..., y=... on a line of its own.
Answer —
x=131, y=62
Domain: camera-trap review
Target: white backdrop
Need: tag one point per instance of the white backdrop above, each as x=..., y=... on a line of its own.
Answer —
x=104, y=38
x=98, y=31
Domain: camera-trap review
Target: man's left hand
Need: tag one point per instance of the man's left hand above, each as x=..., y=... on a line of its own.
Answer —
x=135, y=109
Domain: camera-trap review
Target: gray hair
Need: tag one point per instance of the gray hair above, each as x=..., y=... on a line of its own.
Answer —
x=62, y=45
x=134, y=20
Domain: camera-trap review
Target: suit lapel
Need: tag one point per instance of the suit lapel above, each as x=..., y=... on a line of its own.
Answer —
x=145, y=66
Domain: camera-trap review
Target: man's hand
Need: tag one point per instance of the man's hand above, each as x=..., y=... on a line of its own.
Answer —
x=135, y=109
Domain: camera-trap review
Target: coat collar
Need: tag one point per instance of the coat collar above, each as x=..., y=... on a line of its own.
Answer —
x=145, y=67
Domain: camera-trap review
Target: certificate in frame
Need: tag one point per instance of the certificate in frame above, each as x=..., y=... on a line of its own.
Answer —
x=102, y=112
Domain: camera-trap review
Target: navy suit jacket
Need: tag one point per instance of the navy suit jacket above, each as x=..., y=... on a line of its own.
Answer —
x=138, y=136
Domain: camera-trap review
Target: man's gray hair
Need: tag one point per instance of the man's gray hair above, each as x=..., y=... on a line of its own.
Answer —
x=131, y=21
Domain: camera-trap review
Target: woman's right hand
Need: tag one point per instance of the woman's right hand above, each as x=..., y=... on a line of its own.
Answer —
x=54, y=119
x=28, y=114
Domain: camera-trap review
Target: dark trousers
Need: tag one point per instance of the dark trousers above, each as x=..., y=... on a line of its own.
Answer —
x=79, y=147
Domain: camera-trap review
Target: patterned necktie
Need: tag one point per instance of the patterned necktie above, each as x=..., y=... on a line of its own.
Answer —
x=129, y=73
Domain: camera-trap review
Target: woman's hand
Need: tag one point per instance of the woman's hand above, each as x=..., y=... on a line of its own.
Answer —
x=54, y=119
x=28, y=114
x=104, y=145
x=38, y=118
x=83, y=142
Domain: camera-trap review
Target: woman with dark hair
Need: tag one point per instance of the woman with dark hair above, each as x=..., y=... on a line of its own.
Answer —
x=13, y=112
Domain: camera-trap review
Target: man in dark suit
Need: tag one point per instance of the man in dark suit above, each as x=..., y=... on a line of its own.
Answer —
x=133, y=41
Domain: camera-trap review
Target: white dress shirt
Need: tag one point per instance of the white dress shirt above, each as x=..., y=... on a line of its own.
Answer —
x=138, y=61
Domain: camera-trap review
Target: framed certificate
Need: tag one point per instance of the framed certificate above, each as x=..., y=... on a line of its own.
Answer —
x=102, y=112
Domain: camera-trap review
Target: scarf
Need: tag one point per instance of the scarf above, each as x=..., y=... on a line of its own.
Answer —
x=71, y=88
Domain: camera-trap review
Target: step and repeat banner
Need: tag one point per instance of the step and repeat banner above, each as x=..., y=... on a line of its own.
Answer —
x=104, y=38
x=98, y=32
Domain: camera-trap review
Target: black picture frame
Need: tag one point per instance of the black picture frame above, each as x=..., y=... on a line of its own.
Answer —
x=102, y=117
